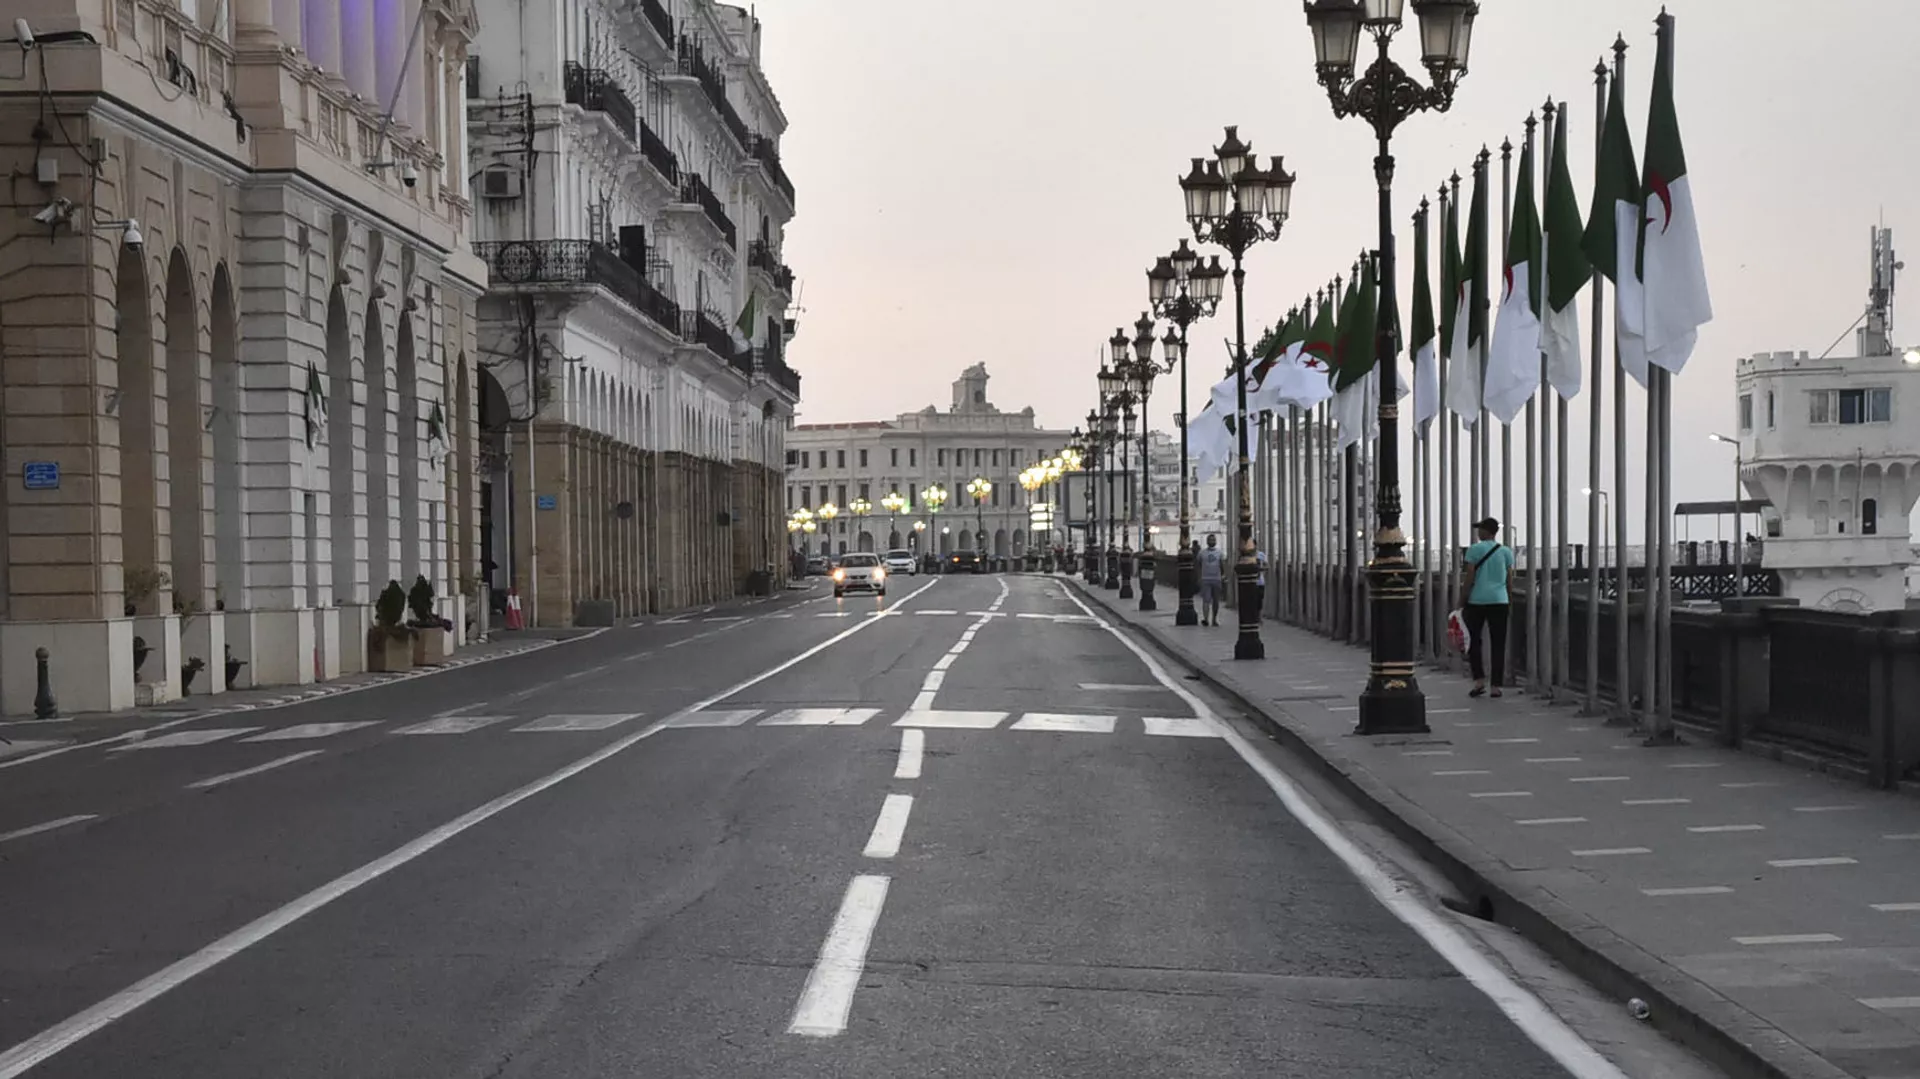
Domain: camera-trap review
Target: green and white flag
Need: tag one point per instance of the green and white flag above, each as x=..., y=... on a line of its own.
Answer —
x=1513, y=365
x=1426, y=362
x=1568, y=271
x=1468, y=347
x=1612, y=239
x=1672, y=265
x=743, y=327
x=1359, y=321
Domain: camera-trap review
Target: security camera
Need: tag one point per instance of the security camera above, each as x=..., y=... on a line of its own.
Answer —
x=132, y=237
x=55, y=212
x=408, y=174
x=23, y=33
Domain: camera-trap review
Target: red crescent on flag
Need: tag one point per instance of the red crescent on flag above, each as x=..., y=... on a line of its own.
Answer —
x=1664, y=192
x=1509, y=281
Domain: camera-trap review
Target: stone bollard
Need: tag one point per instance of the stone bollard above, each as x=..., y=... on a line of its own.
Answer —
x=43, y=704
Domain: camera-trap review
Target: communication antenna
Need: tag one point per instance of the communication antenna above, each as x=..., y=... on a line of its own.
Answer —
x=1876, y=336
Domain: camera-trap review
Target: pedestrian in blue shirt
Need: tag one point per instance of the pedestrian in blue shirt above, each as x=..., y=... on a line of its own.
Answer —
x=1484, y=604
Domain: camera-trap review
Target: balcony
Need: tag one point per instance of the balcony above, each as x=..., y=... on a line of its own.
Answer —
x=701, y=329
x=594, y=90
x=694, y=190
x=770, y=361
x=768, y=155
x=762, y=258
x=658, y=18
x=694, y=62
x=662, y=159
x=577, y=262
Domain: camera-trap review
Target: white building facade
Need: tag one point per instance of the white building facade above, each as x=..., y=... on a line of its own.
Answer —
x=838, y=463
x=631, y=206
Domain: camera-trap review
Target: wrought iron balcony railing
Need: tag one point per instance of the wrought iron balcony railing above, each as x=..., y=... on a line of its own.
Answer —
x=770, y=360
x=662, y=159
x=768, y=155
x=661, y=21
x=694, y=190
x=761, y=257
x=694, y=62
x=702, y=329
x=577, y=262
x=594, y=90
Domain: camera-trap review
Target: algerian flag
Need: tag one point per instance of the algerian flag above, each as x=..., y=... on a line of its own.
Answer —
x=1267, y=379
x=1611, y=241
x=1302, y=379
x=743, y=327
x=1469, y=318
x=1426, y=365
x=1568, y=271
x=1672, y=264
x=1359, y=317
x=1513, y=366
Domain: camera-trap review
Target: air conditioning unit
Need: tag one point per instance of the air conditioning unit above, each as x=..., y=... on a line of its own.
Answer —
x=500, y=183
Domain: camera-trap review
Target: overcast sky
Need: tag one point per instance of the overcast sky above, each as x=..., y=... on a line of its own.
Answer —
x=989, y=181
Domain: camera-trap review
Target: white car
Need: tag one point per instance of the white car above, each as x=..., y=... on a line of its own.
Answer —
x=859, y=573
x=902, y=562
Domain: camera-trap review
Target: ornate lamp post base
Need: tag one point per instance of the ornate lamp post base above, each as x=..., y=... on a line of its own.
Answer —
x=1392, y=702
x=1149, y=570
x=1113, y=569
x=1126, y=575
x=1186, y=615
x=1248, y=644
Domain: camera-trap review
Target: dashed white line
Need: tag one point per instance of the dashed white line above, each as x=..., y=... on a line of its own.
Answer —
x=913, y=747
x=1749, y=785
x=1702, y=889
x=1809, y=863
x=46, y=826
x=1465, y=772
x=214, y=781
x=1695, y=765
x=890, y=828
x=1553, y=820
x=1887, y=1004
x=828, y=997
x=1554, y=760
x=1825, y=809
x=1610, y=852
x=1656, y=801
x=1789, y=938
x=1896, y=908
x=1599, y=779
x=1501, y=794
x=1716, y=829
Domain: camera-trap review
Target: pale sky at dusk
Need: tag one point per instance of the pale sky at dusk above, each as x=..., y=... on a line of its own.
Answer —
x=990, y=182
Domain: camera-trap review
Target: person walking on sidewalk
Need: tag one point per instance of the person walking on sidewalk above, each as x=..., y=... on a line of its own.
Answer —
x=1212, y=577
x=1484, y=604
x=1260, y=585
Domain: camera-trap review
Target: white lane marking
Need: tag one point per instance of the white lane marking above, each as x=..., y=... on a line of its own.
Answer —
x=46, y=826
x=1540, y=1025
x=1824, y=809
x=578, y=722
x=1599, y=779
x=1902, y=836
x=1809, y=863
x=937, y=717
x=1656, y=801
x=820, y=717
x=1553, y=820
x=890, y=828
x=1174, y=727
x=1511, y=741
x=452, y=724
x=1610, y=852
x=723, y=717
x=1749, y=785
x=1886, y=1004
x=935, y=679
x=1695, y=764
x=1427, y=753
x=1464, y=772
x=1716, y=829
x=1061, y=721
x=932, y=611
x=1790, y=938
x=828, y=996
x=922, y=702
x=945, y=661
x=1895, y=908
x=63, y=1035
x=214, y=781
x=1442, y=711
x=1704, y=889
x=303, y=731
x=726, y=618
x=1554, y=760
x=186, y=738
x=913, y=747
x=1501, y=794
x=1117, y=687
x=1344, y=708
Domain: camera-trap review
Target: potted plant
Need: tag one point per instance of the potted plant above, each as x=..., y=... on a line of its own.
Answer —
x=233, y=667
x=430, y=631
x=139, y=583
x=389, y=641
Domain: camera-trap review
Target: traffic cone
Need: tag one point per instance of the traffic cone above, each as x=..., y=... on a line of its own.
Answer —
x=513, y=609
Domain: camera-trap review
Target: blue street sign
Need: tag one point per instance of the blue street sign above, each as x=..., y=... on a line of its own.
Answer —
x=546, y=502
x=41, y=475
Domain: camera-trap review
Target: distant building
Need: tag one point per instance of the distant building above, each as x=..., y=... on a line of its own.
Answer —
x=839, y=462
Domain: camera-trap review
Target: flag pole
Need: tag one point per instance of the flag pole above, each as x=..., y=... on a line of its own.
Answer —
x=1664, y=732
x=1623, y=580
x=1506, y=430
x=1486, y=341
x=1562, y=531
x=1442, y=489
x=1594, y=565
x=1454, y=429
x=1540, y=672
x=1422, y=459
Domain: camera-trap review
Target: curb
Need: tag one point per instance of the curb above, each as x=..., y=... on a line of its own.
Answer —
x=1727, y=1035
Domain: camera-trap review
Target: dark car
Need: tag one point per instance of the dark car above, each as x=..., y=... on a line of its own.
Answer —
x=963, y=561
x=819, y=566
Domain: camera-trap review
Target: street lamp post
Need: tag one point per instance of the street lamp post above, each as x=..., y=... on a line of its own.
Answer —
x=1739, y=537
x=1183, y=292
x=1143, y=372
x=1095, y=552
x=919, y=549
x=980, y=487
x=893, y=504
x=935, y=496
x=1233, y=203
x=1385, y=95
x=827, y=513
x=1110, y=441
x=860, y=508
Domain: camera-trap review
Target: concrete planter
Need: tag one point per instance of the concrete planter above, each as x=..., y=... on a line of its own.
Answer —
x=431, y=647
x=389, y=651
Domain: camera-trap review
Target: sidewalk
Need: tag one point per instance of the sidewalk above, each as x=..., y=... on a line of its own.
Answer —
x=1770, y=915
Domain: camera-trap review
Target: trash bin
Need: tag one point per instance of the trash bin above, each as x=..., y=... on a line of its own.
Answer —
x=760, y=582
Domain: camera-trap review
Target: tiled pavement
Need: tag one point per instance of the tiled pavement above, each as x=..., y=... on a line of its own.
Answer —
x=1756, y=903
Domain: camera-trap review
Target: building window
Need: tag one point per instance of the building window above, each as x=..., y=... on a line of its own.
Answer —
x=793, y=458
x=865, y=491
x=940, y=457
x=806, y=459
x=979, y=458
x=1869, y=517
x=1850, y=406
x=823, y=496
x=913, y=495
x=1746, y=412
x=1819, y=518
x=996, y=458
x=842, y=501
x=1769, y=410
x=839, y=458
x=790, y=503
x=863, y=458
x=893, y=458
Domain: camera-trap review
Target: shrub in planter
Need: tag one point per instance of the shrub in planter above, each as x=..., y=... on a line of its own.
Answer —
x=389, y=641
x=429, y=629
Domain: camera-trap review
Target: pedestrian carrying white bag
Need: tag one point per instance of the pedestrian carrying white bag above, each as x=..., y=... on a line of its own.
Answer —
x=1457, y=631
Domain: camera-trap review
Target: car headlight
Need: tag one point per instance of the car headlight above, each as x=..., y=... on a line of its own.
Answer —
x=879, y=574
x=839, y=575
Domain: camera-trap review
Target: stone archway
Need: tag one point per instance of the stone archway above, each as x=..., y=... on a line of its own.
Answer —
x=343, y=521
x=491, y=416
x=186, y=440
x=866, y=542
x=406, y=402
x=229, y=510
x=1000, y=543
x=133, y=350
x=380, y=459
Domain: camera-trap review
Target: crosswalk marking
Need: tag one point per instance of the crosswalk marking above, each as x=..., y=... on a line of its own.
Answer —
x=302, y=731
x=452, y=725
x=578, y=722
x=1180, y=728
x=820, y=717
x=186, y=738
x=722, y=718
x=939, y=717
x=1056, y=721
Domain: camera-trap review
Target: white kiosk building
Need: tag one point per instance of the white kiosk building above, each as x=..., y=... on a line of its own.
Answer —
x=1834, y=445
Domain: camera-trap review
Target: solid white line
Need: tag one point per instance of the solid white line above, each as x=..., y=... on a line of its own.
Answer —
x=1117, y=687
x=1707, y=889
x=214, y=781
x=1540, y=1025
x=1749, y=786
x=1791, y=938
x=63, y=1035
x=46, y=826
x=1696, y=764
x=828, y=997
x=890, y=828
x=1066, y=723
x=913, y=747
x=1427, y=753
x=1511, y=741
